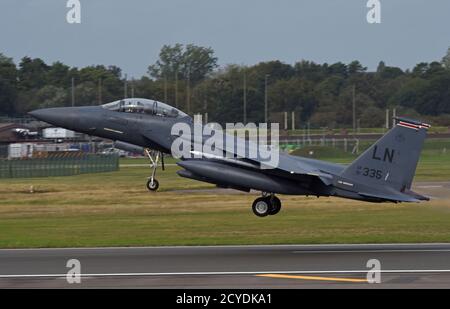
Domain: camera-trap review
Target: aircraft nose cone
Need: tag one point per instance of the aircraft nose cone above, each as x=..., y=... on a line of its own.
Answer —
x=49, y=115
x=54, y=116
x=81, y=119
x=34, y=113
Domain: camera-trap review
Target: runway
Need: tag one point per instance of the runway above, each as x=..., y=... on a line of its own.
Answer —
x=285, y=266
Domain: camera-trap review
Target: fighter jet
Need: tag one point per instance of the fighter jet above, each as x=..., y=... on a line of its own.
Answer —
x=383, y=173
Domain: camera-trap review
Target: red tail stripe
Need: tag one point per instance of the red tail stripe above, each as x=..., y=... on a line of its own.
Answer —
x=410, y=125
x=414, y=126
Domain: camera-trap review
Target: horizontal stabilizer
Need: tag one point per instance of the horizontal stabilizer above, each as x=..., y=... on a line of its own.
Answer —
x=417, y=195
x=395, y=197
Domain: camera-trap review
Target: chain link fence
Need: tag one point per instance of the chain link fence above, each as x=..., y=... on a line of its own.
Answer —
x=348, y=145
x=66, y=165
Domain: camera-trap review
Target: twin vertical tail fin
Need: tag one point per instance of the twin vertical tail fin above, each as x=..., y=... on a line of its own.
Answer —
x=392, y=160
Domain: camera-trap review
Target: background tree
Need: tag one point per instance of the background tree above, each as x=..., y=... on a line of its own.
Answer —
x=8, y=86
x=49, y=96
x=320, y=94
x=446, y=60
x=32, y=73
x=193, y=62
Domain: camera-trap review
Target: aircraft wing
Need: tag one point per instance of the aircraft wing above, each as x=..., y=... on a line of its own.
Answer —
x=247, y=153
x=285, y=162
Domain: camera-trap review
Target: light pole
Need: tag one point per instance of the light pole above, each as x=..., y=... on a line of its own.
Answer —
x=176, y=87
x=125, y=87
x=245, y=96
x=73, y=91
x=165, y=88
x=266, y=99
x=354, y=108
x=188, y=91
x=132, y=87
x=100, y=91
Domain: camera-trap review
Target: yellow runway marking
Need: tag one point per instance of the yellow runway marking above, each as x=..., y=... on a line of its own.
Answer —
x=313, y=278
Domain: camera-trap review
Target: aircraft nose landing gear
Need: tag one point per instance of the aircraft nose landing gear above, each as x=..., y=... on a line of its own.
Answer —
x=152, y=183
x=268, y=205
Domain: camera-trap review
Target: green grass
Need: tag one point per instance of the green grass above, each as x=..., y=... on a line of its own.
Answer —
x=115, y=209
x=433, y=129
x=189, y=222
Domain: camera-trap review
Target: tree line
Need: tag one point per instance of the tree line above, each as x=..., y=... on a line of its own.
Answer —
x=189, y=77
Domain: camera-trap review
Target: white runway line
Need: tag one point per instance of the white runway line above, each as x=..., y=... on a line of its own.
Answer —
x=429, y=187
x=374, y=251
x=231, y=273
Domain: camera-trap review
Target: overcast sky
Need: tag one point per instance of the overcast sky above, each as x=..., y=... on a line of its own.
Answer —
x=131, y=33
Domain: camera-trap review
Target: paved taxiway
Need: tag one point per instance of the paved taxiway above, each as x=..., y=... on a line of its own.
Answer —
x=290, y=266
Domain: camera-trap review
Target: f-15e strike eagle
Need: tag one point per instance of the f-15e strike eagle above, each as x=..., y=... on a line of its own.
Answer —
x=383, y=173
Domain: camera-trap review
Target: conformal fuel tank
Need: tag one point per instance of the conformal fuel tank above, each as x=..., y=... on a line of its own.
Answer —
x=226, y=174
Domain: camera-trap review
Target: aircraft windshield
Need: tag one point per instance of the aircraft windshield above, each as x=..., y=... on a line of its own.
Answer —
x=144, y=106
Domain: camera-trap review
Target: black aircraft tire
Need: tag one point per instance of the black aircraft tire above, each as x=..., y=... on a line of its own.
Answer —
x=261, y=207
x=152, y=186
x=276, y=206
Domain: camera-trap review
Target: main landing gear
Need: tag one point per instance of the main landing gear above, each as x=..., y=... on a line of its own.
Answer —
x=267, y=205
x=155, y=157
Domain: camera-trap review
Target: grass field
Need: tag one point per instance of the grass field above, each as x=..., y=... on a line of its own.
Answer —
x=115, y=209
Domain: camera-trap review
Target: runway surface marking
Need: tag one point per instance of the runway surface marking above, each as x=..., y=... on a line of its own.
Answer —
x=279, y=276
x=230, y=273
x=430, y=187
x=374, y=251
x=249, y=266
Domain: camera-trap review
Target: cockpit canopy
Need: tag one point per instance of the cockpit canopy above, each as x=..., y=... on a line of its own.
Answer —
x=144, y=106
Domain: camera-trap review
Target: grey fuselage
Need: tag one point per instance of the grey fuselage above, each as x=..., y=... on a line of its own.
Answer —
x=148, y=131
x=294, y=175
